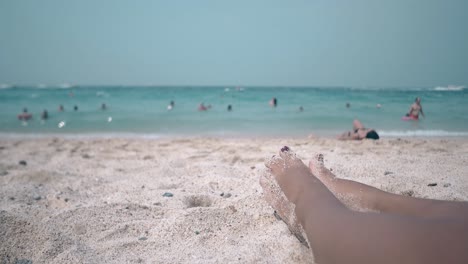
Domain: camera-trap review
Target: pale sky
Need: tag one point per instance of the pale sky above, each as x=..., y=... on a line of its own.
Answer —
x=389, y=43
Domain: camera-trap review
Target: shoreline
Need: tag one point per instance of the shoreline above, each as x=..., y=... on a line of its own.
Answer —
x=188, y=200
x=125, y=135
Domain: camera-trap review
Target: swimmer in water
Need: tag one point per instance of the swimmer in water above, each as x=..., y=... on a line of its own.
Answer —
x=25, y=115
x=75, y=108
x=103, y=106
x=273, y=102
x=61, y=109
x=229, y=108
x=301, y=109
x=171, y=105
x=202, y=107
x=44, y=115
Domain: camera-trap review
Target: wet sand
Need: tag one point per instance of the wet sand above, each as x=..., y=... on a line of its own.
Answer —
x=194, y=200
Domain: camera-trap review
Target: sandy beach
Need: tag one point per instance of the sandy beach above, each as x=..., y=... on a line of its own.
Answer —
x=187, y=200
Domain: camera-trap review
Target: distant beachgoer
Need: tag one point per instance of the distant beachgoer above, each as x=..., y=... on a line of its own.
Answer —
x=348, y=105
x=75, y=108
x=103, y=106
x=25, y=115
x=415, y=109
x=61, y=109
x=171, y=105
x=359, y=132
x=229, y=108
x=301, y=109
x=313, y=202
x=202, y=107
x=44, y=115
x=273, y=102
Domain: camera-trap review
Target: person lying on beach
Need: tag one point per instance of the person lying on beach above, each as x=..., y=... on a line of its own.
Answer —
x=359, y=132
x=313, y=202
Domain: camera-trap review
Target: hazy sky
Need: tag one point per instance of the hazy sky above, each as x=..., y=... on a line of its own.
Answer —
x=197, y=42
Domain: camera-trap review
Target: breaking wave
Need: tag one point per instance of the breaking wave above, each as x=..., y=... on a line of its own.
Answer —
x=422, y=133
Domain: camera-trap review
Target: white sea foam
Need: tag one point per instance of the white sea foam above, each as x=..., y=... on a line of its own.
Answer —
x=102, y=94
x=422, y=133
x=449, y=88
x=65, y=86
x=84, y=135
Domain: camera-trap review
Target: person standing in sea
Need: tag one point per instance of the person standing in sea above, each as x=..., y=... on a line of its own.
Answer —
x=273, y=102
x=415, y=109
x=44, y=115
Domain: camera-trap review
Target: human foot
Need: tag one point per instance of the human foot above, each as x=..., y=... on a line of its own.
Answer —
x=354, y=195
x=318, y=169
x=288, y=170
x=280, y=168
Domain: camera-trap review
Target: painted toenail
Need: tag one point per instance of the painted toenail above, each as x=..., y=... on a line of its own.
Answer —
x=284, y=149
x=320, y=157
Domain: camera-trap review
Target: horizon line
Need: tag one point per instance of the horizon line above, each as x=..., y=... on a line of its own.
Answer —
x=71, y=86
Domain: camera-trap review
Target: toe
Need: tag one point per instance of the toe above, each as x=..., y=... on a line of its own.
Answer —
x=287, y=154
x=318, y=169
x=274, y=162
x=316, y=164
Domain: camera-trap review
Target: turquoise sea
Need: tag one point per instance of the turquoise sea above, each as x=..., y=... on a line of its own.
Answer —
x=142, y=111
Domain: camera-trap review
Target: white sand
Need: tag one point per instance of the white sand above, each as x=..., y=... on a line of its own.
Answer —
x=101, y=200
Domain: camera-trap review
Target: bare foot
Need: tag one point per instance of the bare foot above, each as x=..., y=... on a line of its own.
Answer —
x=348, y=192
x=277, y=188
x=318, y=169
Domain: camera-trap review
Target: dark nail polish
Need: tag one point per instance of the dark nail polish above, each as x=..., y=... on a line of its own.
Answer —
x=285, y=148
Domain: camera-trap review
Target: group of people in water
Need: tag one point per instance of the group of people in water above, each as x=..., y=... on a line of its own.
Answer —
x=358, y=132
x=26, y=116
x=201, y=107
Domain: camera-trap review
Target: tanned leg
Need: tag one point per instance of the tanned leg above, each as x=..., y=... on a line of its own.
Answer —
x=357, y=124
x=367, y=197
x=339, y=235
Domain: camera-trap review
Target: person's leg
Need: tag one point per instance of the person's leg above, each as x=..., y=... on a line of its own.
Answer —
x=357, y=124
x=339, y=235
x=349, y=135
x=367, y=197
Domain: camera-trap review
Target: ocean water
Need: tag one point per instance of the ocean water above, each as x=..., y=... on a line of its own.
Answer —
x=142, y=111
